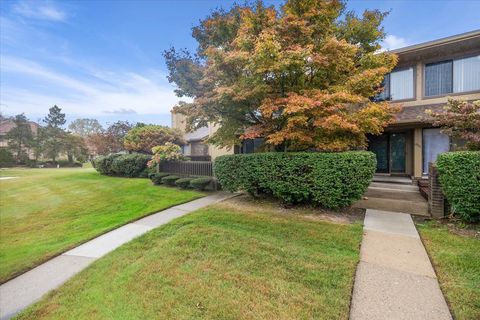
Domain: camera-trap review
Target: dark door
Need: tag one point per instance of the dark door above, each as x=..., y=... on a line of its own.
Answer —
x=397, y=152
x=379, y=146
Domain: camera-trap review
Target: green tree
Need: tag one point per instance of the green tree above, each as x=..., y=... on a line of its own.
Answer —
x=144, y=138
x=301, y=75
x=75, y=148
x=85, y=127
x=20, y=138
x=53, y=134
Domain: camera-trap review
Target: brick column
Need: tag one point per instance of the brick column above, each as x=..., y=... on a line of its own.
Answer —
x=436, y=200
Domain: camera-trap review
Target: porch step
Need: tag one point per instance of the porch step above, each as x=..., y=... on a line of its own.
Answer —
x=392, y=180
x=404, y=206
x=393, y=186
x=395, y=194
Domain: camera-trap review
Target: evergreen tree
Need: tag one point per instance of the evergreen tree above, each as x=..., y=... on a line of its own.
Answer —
x=20, y=138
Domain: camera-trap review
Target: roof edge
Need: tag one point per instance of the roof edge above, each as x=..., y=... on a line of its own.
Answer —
x=438, y=42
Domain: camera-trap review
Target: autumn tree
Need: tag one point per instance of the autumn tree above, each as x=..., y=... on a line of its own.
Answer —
x=460, y=120
x=144, y=137
x=20, y=138
x=302, y=76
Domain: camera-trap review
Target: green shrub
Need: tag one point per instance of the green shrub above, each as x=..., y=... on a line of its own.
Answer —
x=123, y=165
x=6, y=158
x=459, y=174
x=103, y=164
x=170, y=180
x=183, y=183
x=200, y=183
x=331, y=180
x=157, y=177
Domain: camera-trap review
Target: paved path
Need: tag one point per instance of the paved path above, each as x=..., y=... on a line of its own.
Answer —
x=395, y=279
x=20, y=292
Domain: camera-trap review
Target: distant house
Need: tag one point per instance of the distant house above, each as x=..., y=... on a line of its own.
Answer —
x=425, y=76
x=196, y=148
x=7, y=124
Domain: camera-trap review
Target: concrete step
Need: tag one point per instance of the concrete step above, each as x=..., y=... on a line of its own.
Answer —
x=394, y=194
x=392, y=179
x=404, y=206
x=394, y=186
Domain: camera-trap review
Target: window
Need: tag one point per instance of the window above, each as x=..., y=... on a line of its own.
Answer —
x=466, y=74
x=398, y=85
x=438, y=78
x=401, y=84
x=434, y=143
x=461, y=75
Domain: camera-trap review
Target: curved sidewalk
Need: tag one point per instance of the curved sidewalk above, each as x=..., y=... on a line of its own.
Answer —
x=22, y=291
x=395, y=279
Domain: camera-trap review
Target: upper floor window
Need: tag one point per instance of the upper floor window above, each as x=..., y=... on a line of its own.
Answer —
x=398, y=85
x=452, y=76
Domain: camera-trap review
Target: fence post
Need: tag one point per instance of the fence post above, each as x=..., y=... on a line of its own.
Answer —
x=436, y=199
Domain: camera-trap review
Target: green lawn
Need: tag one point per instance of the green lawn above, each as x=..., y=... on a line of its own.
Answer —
x=457, y=262
x=220, y=262
x=44, y=212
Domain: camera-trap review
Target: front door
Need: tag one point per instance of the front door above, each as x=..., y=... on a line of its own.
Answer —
x=397, y=152
x=389, y=149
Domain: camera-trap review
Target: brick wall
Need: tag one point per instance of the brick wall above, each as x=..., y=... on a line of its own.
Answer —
x=436, y=199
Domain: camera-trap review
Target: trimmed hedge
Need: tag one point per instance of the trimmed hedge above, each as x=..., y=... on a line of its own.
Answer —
x=123, y=165
x=200, y=183
x=157, y=177
x=183, y=183
x=170, y=180
x=331, y=180
x=459, y=174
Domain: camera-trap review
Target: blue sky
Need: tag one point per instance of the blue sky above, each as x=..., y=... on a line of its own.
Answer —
x=103, y=59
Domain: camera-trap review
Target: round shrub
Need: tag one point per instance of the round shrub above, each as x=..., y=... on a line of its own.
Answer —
x=104, y=164
x=170, y=180
x=157, y=177
x=123, y=165
x=183, y=183
x=459, y=174
x=130, y=165
x=331, y=180
x=200, y=183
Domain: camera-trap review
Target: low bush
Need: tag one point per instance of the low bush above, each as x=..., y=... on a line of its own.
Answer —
x=157, y=177
x=459, y=174
x=200, y=183
x=123, y=165
x=331, y=180
x=6, y=158
x=170, y=180
x=183, y=183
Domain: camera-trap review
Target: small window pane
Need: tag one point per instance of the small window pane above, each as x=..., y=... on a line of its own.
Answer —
x=438, y=78
x=466, y=74
x=401, y=84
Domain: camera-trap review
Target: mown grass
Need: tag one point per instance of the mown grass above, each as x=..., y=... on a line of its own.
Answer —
x=457, y=262
x=44, y=212
x=218, y=263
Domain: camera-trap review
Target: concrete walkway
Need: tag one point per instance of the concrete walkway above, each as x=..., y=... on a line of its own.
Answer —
x=20, y=292
x=395, y=279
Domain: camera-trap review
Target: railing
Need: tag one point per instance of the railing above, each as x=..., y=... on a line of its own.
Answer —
x=200, y=158
x=188, y=168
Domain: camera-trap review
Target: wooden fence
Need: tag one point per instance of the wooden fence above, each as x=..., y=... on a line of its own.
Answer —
x=188, y=168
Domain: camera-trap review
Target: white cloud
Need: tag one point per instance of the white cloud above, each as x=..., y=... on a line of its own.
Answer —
x=392, y=42
x=85, y=93
x=45, y=10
